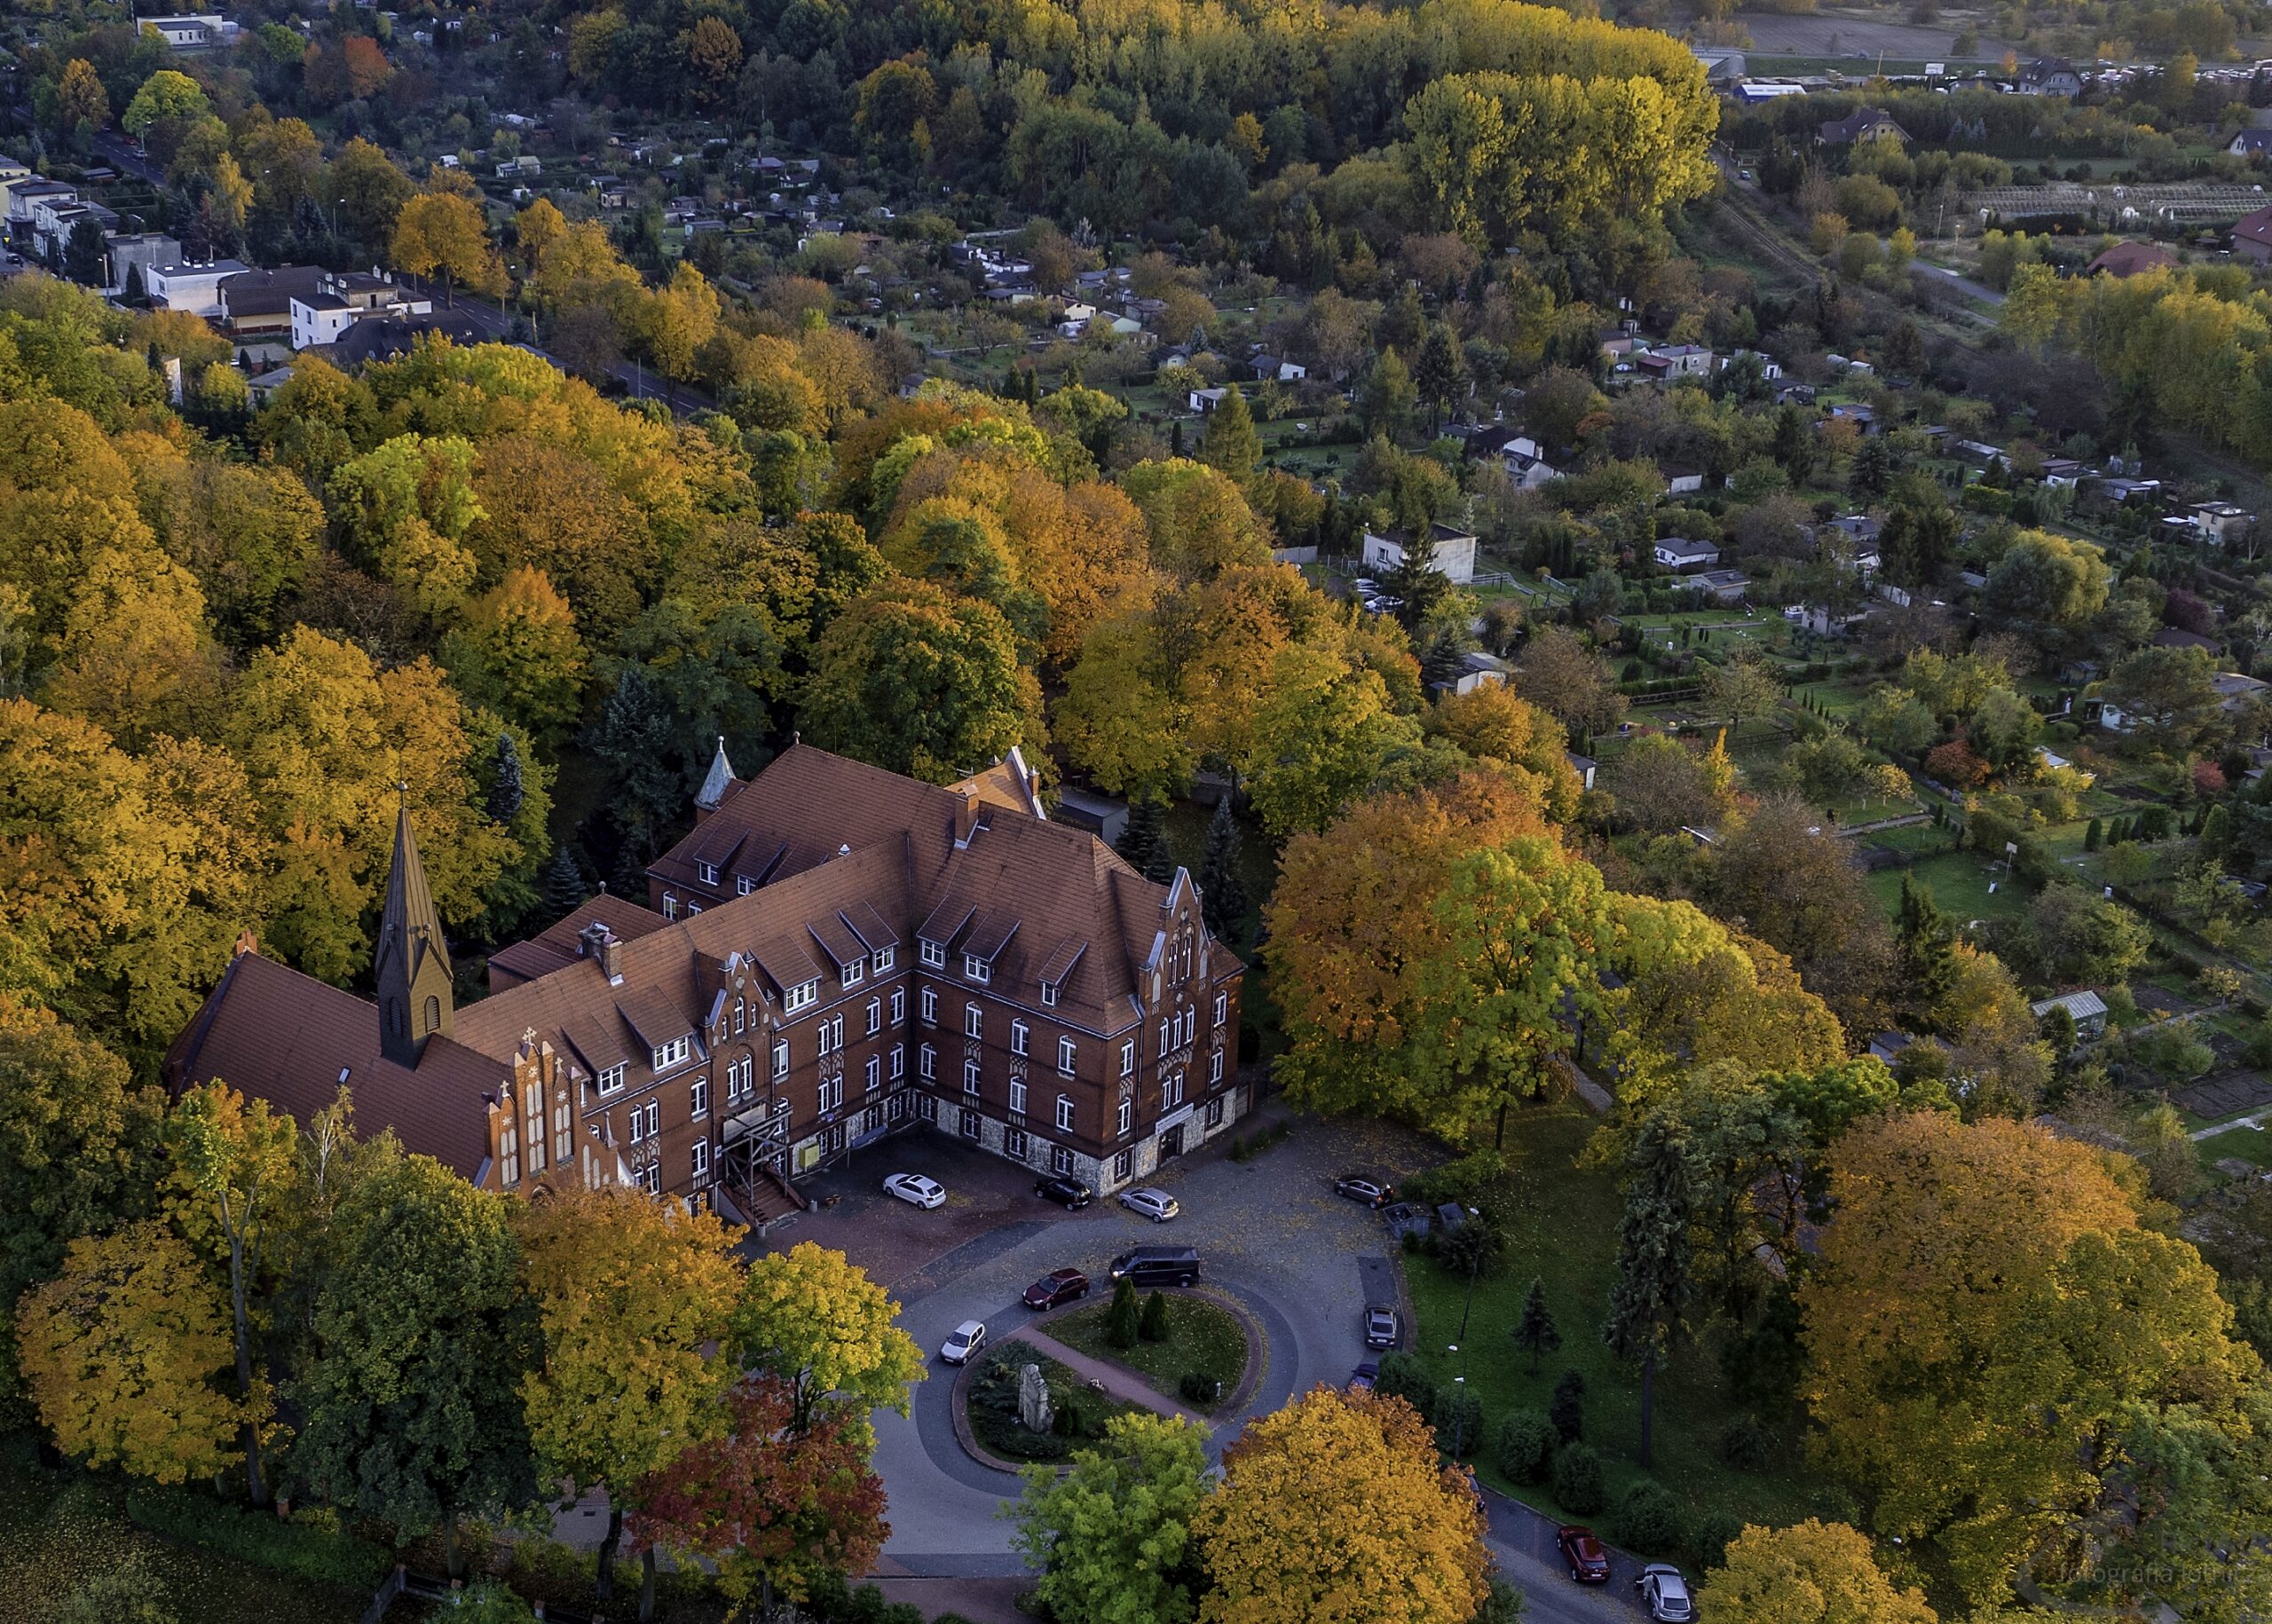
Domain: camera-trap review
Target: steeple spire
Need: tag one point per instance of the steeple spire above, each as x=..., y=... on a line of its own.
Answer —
x=413, y=963
x=720, y=780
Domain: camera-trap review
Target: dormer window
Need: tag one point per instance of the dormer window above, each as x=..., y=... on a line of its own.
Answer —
x=854, y=971
x=886, y=957
x=672, y=1052
x=707, y=872
x=612, y=1079
x=1049, y=995
x=744, y=885
x=977, y=969
x=801, y=995
x=935, y=954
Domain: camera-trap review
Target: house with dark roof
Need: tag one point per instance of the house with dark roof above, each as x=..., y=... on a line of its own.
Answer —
x=2250, y=144
x=2050, y=76
x=2129, y=259
x=1863, y=124
x=833, y=955
x=2252, y=237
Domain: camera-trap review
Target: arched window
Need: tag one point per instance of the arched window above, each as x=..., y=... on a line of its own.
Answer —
x=433, y=1018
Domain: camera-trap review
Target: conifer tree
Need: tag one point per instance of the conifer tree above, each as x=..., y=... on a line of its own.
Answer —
x=1535, y=1333
x=1151, y=1325
x=1145, y=841
x=1928, y=943
x=1645, y=1306
x=564, y=885
x=1222, y=898
x=506, y=792
x=1123, y=1321
x=1229, y=441
x=1566, y=1409
x=2094, y=836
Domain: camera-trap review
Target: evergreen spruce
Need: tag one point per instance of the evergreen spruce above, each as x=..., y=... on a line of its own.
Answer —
x=2216, y=830
x=1175, y=437
x=564, y=885
x=2094, y=836
x=1535, y=1333
x=1566, y=1409
x=1121, y=1320
x=1145, y=841
x=1645, y=1306
x=506, y=792
x=1228, y=441
x=1222, y=899
x=1928, y=943
x=1151, y=1325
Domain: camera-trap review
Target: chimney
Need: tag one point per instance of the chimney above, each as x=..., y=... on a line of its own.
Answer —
x=596, y=941
x=966, y=820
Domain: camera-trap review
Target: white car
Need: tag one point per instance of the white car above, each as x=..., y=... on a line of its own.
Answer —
x=917, y=1190
x=1665, y=1594
x=1157, y=1205
x=966, y=1340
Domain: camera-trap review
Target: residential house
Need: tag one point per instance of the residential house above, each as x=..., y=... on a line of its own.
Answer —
x=1683, y=557
x=1721, y=586
x=2252, y=234
x=25, y=195
x=192, y=31
x=54, y=223
x=1277, y=368
x=192, y=288
x=834, y=954
x=1864, y=417
x=1476, y=670
x=2050, y=76
x=2214, y=524
x=2129, y=259
x=1583, y=766
x=1101, y=815
x=1451, y=552
x=2086, y=1009
x=1527, y=464
x=386, y=338
x=1205, y=400
x=2250, y=144
x=1864, y=124
x=128, y=251
x=341, y=299
x=1676, y=361
x=256, y=305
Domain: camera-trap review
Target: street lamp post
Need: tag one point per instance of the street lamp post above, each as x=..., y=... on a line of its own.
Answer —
x=1474, y=1267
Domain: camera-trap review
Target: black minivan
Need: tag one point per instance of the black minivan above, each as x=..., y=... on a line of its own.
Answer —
x=1158, y=1266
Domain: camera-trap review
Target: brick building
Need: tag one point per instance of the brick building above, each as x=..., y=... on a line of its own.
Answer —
x=834, y=954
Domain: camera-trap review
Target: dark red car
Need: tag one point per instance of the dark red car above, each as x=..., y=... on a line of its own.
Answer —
x=1589, y=1563
x=1058, y=1286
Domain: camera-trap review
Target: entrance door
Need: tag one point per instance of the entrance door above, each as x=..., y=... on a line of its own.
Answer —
x=1172, y=1143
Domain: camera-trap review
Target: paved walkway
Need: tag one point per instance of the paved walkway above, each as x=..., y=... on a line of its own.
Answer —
x=2215, y=1129
x=1117, y=1380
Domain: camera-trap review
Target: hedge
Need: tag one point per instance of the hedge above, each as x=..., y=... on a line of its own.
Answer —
x=306, y=1549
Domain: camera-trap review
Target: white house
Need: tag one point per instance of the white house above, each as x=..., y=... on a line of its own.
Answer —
x=1721, y=586
x=2086, y=1009
x=338, y=301
x=1526, y=464
x=192, y=31
x=1270, y=368
x=1681, y=480
x=1205, y=400
x=1451, y=554
x=1681, y=557
x=1476, y=670
x=195, y=289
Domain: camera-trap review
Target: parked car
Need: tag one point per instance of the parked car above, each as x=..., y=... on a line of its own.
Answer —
x=1364, y=1375
x=917, y=1190
x=1069, y=1193
x=1665, y=1594
x=1582, y=1549
x=964, y=1341
x=1363, y=1187
x=1058, y=1286
x=1383, y=1326
x=1157, y=1265
x=1157, y=1205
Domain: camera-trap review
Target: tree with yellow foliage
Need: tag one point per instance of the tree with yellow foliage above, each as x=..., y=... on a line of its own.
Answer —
x=444, y=235
x=1815, y=1573
x=120, y=1352
x=1322, y=737
x=1337, y=1510
x=1498, y=728
x=678, y=319
x=818, y=1321
x=1987, y=1321
x=635, y=1298
x=517, y=653
x=80, y=99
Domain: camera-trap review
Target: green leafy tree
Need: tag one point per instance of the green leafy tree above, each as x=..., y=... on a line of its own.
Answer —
x=1111, y=1537
x=1386, y=395
x=1742, y=685
x=814, y=1319
x=1647, y=1306
x=1926, y=940
x=1229, y=442
x=1440, y=375
x=1535, y=1333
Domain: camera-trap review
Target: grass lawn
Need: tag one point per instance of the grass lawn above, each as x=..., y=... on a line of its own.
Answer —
x=2249, y=1144
x=999, y=1430
x=1567, y=1235
x=1960, y=882
x=1202, y=1335
x=58, y=1530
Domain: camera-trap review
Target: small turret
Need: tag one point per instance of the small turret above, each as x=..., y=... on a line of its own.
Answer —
x=719, y=783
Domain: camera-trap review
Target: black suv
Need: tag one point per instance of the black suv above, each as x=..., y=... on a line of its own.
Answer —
x=1158, y=1266
x=1069, y=1193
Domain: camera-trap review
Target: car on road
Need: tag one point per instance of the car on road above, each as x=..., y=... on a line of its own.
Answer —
x=1157, y=1265
x=1383, y=1326
x=1157, y=1205
x=1069, y=1193
x=964, y=1340
x=1058, y=1286
x=1664, y=1593
x=1374, y=1192
x=1582, y=1553
x=916, y=1190
x=1364, y=1375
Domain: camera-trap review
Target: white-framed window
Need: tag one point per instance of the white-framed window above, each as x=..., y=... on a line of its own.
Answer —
x=1013, y=1143
x=926, y=1107
x=976, y=968
x=1068, y=1056
x=898, y=1004
x=853, y=972
x=875, y=1072
x=1128, y=1058
x=895, y=1107
x=831, y=1092
x=971, y=1123
x=1215, y=1113
x=1125, y=1118
x=1060, y=1160
x=970, y=1076
x=612, y=1079
x=1017, y=1037
x=701, y=1158
x=670, y=906
x=692, y=908
x=800, y=996
x=1222, y=1007
x=1065, y=1113
x=651, y=1179
x=875, y=1016
x=1049, y=995
x=1018, y=1095
x=741, y=1012
x=707, y=872
x=830, y=1033
x=738, y=1082
x=781, y=1058
x=933, y=954
x=974, y=1020
x=744, y=885
x=1172, y=1092
x=886, y=957
x=927, y=1061
x=1215, y=1067
x=899, y=1062
x=1123, y=1164
x=640, y=1118
x=698, y=1099
x=672, y=1052
x=510, y=1155
x=927, y=1007
x=1167, y=1035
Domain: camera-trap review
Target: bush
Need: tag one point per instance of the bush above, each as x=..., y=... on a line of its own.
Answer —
x=1648, y=1517
x=312, y=1546
x=1709, y=1538
x=1401, y=1378
x=1458, y=1421
x=1122, y=1319
x=488, y=1602
x=1152, y=1325
x=1578, y=1484
x=1473, y=1248
x=1197, y=1387
x=1566, y=1409
x=1745, y=1444
x=1526, y=1446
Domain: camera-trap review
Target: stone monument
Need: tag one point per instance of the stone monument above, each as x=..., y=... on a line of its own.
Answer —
x=1033, y=1400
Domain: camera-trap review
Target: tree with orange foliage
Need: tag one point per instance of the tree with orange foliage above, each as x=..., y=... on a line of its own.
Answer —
x=1337, y=1510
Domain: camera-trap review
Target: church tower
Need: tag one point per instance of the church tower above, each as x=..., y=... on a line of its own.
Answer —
x=414, y=964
